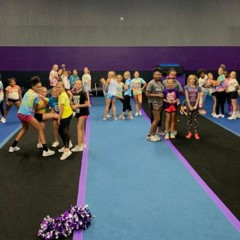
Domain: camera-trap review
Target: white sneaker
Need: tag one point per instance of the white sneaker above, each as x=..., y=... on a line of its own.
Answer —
x=3, y=120
x=136, y=114
x=217, y=115
x=131, y=118
x=84, y=145
x=151, y=138
x=77, y=149
x=14, y=149
x=238, y=115
x=39, y=145
x=157, y=137
x=55, y=144
x=61, y=150
x=140, y=113
x=70, y=144
x=232, y=117
x=174, y=132
x=65, y=155
x=48, y=153
x=104, y=119
x=109, y=116
x=222, y=115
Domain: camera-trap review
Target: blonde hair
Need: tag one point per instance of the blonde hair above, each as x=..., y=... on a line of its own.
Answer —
x=127, y=73
x=192, y=76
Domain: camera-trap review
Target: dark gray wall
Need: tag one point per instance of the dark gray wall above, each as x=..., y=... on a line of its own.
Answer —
x=97, y=23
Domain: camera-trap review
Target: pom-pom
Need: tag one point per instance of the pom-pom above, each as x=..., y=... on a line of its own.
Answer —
x=77, y=218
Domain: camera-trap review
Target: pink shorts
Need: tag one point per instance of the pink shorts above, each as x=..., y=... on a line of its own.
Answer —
x=25, y=118
x=170, y=109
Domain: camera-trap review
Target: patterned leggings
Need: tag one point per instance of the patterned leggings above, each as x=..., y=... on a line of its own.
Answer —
x=193, y=116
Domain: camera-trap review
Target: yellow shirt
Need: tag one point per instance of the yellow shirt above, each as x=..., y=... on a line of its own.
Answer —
x=64, y=99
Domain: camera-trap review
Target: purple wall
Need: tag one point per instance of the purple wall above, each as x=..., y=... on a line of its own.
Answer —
x=117, y=58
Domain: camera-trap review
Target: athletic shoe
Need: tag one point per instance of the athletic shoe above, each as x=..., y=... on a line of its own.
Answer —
x=136, y=114
x=48, y=153
x=131, y=118
x=61, y=150
x=172, y=135
x=140, y=113
x=160, y=132
x=104, y=119
x=84, y=145
x=230, y=113
x=222, y=115
x=189, y=135
x=14, y=149
x=174, y=132
x=151, y=138
x=196, y=136
x=115, y=119
x=70, y=144
x=109, y=116
x=39, y=145
x=55, y=144
x=217, y=116
x=214, y=115
x=65, y=155
x=77, y=149
x=238, y=115
x=167, y=136
x=157, y=137
x=3, y=120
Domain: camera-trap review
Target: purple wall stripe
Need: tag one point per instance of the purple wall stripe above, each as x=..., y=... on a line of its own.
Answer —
x=77, y=235
x=234, y=221
x=117, y=58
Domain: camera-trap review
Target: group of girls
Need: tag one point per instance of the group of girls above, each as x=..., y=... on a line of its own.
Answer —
x=32, y=111
x=225, y=87
x=114, y=88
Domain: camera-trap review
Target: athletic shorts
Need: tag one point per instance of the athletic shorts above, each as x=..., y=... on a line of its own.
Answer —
x=155, y=106
x=109, y=96
x=25, y=118
x=139, y=97
x=170, y=109
x=13, y=100
x=38, y=116
x=233, y=95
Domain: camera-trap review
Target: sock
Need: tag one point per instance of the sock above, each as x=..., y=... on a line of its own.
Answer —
x=15, y=143
x=45, y=147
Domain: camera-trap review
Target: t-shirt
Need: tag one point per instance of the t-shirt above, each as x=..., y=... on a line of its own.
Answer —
x=53, y=78
x=112, y=87
x=85, y=81
x=231, y=85
x=1, y=92
x=156, y=88
x=202, y=82
x=192, y=94
x=42, y=105
x=220, y=87
x=137, y=85
x=64, y=99
x=53, y=103
x=65, y=82
x=128, y=92
x=170, y=95
x=80, y=98
x=73, y=79
x=29, y=100
x=119, y=90
x=13, y=92
x=177, y=85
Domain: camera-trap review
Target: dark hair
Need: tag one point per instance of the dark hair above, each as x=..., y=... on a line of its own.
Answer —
x=157, y=69
x=200, y=71
x=171, y=70
x=35, y=80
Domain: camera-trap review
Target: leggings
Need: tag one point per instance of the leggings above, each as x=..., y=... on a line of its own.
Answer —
x=126, y=104
x=221, y=98
x=193, y=116
x=63, y=131
x=1, y=108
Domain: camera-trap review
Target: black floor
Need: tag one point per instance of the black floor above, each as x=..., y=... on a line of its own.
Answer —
x=33, y=187
x=215, y=157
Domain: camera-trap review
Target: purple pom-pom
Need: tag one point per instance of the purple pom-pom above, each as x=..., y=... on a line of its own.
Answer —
x=77, y=218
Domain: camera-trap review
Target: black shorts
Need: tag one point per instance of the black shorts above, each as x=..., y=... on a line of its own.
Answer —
x=13, y=100
x=39, y=116
x=232, y=95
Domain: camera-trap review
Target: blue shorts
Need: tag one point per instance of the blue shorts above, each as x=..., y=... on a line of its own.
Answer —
x=109, y=96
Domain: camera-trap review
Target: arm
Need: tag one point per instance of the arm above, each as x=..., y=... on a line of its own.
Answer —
x=20, y=94
x=61, y=107
x=144, y=86
x=197, y=102
x=148, y=94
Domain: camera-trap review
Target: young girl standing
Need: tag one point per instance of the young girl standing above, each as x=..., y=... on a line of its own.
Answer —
x=192, y=92
x=80, y=105
x=53, y=76
x=212, y=91
x=65, y=116
x=232, y=94
x=170, y=99
x=119, y=92
x=25, y=113
x=86, y=81
x=13, y=96
x=202, y=81
x=1, y=99
x=154, y=93
x=137, y=88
